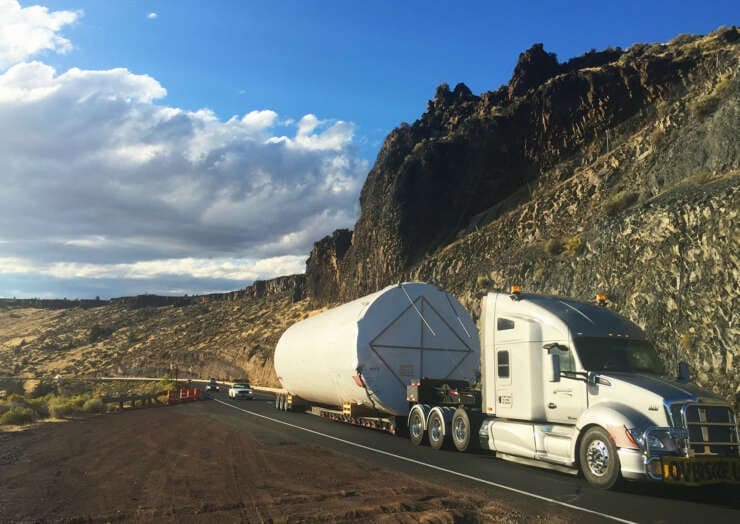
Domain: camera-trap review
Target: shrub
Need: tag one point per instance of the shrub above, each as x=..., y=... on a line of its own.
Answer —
x=98, y=332
x=482, y=282
x=574, y=245
x=43, y=388
x=657, y=137
x=40, y=406
x=94, y=405
x=60, y=408
x=554, y=246
x=620, y=202
x=683, y=38
x=704, y=105
x=17, y=415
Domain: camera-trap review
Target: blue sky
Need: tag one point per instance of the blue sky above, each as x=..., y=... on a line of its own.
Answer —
x=187, y=147
x=372, y=63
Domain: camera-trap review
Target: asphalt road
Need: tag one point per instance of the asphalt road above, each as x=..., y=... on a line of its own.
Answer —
x=635, y=502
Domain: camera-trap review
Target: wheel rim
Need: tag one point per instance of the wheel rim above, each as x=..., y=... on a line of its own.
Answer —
x=460, y=429
x=597, y=458
x=435, y=429
x=415, y=425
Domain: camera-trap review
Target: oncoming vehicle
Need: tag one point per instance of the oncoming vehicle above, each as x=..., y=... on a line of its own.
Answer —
x=212, y=385
x=241, y=390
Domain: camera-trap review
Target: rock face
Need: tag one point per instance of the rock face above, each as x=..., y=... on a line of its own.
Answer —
x=615, y=171
x=322, y=266
x=534, y=68
x=467, y=155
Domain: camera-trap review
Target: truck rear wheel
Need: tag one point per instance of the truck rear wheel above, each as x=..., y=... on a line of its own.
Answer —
x=417, y=434
x=436, y=430
x=599, y=460
x=463, y=433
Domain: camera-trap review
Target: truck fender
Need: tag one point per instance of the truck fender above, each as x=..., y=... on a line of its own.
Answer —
x=613, y=417
x=446, y=413
x=424, y=410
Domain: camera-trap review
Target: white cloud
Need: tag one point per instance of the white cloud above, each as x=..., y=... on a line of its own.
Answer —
x=26, y=31
x=201, y=268
x=102, y=181
x=152, y=16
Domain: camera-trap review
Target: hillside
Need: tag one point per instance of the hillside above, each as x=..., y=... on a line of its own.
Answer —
x=230, y=335
x=616, y=171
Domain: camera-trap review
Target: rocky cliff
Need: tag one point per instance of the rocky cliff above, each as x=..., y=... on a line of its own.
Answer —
x=469, y=155
x=616, y=171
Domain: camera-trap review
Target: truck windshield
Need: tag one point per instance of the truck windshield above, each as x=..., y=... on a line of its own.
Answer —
x=609, y=354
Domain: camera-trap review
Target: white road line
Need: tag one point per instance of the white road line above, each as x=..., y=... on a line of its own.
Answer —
x=431, y=466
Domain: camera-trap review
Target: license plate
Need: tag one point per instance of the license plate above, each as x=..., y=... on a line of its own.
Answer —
x=697, y=471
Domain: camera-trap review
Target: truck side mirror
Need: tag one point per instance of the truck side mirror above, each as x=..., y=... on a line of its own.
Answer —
x=683, y=371
x=553, y=369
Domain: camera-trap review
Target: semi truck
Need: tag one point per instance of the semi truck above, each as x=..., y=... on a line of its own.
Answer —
x=548, y=381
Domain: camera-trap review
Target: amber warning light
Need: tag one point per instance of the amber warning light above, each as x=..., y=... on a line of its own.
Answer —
x=515, y=290
x=601, y=299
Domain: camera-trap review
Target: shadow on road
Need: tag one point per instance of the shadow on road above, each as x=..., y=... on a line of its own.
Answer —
x=725, y=495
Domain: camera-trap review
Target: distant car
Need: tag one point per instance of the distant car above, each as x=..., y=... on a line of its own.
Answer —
x=241, y=390
x=212, y=385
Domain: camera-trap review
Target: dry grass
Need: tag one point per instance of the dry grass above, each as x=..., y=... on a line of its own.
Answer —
x=222, y=338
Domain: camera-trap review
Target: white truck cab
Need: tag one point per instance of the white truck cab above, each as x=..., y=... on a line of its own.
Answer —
x=575, y=386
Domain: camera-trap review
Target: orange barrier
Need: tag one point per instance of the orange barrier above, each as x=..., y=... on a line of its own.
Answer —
x=183, y=395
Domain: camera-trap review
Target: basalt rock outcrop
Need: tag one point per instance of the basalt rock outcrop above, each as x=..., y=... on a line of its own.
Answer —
x=468, y=155
x=322, y=267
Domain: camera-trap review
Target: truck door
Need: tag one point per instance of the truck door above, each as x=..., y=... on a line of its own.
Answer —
x=564, y=400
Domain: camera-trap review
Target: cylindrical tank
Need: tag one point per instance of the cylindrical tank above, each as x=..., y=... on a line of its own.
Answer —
x=367, y=351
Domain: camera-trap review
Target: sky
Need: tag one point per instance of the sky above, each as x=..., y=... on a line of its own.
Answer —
x=187, y=147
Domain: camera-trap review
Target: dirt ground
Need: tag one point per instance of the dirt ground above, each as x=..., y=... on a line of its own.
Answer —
x=164, y=465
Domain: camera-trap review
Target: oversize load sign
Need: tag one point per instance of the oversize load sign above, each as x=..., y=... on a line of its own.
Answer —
x=701, y=470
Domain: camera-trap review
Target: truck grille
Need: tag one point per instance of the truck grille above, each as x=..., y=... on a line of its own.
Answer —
x=712, y=428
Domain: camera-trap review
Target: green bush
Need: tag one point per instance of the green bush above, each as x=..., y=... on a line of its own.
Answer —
x=93, y=405
x=620, y=202
x=17, y=415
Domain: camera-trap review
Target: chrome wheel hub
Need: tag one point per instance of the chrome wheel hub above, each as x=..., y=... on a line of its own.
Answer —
x=436, y=429
x=415, y=425
x=597, y=458
x=460, y=429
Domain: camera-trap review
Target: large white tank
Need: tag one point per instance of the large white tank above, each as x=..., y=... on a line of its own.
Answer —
x=368, y=350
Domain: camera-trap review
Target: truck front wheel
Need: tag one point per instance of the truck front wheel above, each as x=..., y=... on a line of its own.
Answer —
x=463, y=436
x=599, y=460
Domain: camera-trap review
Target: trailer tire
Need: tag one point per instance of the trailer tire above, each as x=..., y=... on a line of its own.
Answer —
x=417, y=431
x=277, y=401
x=598, y=459
x=436, y=430
x=463, y=432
